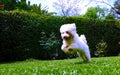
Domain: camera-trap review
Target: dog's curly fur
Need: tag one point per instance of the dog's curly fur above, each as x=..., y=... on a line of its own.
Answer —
x=72, y=42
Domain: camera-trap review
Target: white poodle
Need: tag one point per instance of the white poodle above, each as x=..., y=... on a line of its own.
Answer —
x=72, y=42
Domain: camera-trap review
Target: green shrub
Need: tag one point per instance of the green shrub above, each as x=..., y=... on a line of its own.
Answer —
x=22, y=35
x=50, y=45
x=101, y=47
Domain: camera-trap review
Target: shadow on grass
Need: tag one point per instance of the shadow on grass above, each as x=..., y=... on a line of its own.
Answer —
x=82, y=62
x=7, y=62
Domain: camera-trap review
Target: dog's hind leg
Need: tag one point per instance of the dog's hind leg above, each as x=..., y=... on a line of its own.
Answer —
x=82, y=55
x=87, y=56
x=86, y=59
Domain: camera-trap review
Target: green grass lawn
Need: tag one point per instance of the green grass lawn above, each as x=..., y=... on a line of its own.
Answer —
x=98, y=66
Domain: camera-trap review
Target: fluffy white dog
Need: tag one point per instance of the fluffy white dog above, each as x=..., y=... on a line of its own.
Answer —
x=72, y=42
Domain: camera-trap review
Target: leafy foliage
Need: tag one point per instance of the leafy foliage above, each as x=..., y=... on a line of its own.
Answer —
x=101, y=47
x=22, y=5
x=110, y=17
x=8, y=4
x=50, y=44
x=95, y=12
x=28, y=35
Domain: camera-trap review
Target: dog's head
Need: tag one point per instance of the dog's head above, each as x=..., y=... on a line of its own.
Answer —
x=67, y=31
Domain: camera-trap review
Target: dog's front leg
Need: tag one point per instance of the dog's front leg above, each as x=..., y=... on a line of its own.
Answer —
x=65, y=48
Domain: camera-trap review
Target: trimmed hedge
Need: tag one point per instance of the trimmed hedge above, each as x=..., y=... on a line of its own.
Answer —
x=21, y=34
x=97, y=30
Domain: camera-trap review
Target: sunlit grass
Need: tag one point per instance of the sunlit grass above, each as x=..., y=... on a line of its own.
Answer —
x=98, y=66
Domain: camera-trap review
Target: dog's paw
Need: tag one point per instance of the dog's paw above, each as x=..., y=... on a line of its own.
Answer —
x=70, y=49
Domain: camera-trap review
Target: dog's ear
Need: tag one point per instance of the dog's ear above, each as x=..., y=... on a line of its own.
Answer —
x=73, y=24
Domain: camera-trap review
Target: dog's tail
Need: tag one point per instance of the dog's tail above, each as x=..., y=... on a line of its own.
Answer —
x=83, y=38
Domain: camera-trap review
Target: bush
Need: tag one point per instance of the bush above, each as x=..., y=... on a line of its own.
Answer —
x=21, y=33
x=50, y=45
x=26, y=35
x=101, y=47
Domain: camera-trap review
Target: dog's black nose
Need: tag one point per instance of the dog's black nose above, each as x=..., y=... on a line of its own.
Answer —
x=65, y=37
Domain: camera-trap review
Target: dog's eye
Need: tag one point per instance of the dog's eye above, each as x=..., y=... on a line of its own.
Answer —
x=67, y=32
x=62, y=33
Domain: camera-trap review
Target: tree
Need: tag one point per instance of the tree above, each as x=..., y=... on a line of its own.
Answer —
x=95, y=12
x=117, y=8
x=38, y=9
x=22, y=5
x=110, y=16
x=68, y=7
x=8, y=4
x=91, y=13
